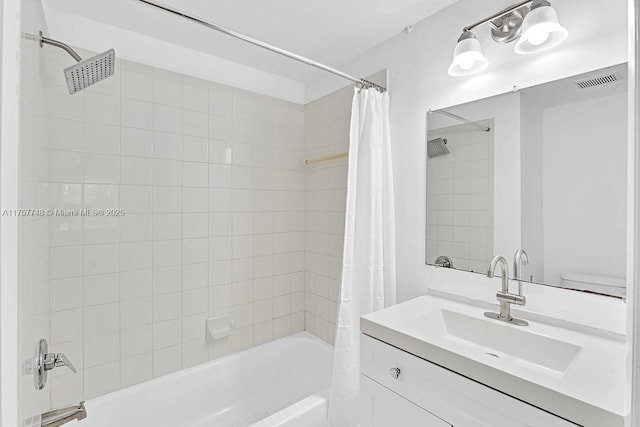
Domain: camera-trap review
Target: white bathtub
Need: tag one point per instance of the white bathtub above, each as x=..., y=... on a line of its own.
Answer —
x=282, y=383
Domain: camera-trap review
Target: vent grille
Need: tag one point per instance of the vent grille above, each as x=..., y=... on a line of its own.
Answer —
x=597, y=81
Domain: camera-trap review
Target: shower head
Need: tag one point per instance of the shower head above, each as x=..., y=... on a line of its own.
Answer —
x=84, y=73
x=437, y=147
x=90, y=71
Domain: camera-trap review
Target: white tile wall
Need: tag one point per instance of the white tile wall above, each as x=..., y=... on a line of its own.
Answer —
x=212, y=187
x=326, y=124
x=460, y=198
x=37, y=291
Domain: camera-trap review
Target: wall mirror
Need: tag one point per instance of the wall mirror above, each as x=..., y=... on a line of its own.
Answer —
x=543, y=169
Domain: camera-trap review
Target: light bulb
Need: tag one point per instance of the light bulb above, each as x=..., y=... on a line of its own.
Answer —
x=467, y=56
x=538, y=37
x=466, y=63
x=540, y=29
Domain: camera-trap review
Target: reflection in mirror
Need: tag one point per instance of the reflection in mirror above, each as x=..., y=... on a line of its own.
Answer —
x=460, y=195
x=548, y=177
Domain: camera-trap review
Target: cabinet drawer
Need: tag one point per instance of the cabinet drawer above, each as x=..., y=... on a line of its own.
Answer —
x=456, y=399
x=380, y=407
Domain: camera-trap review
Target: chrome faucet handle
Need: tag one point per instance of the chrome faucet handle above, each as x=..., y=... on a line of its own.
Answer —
x=44, y=361
x=62, y=360
x=52, y=360
x=519, y=259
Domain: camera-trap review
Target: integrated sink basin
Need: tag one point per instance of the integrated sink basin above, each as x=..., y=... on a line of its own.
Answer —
x=499, y=340
x=568, y=372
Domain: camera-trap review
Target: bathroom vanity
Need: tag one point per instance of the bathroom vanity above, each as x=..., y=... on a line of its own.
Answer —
x=434, y=361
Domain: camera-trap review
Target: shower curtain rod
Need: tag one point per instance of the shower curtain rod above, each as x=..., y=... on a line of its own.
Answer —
x=462, y=119
x=363, y=82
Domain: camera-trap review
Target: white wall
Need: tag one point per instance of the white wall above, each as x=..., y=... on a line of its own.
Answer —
x=532, y=199
x=417, y=64
x=10, y=28
x=633, y=210
x=584, y=203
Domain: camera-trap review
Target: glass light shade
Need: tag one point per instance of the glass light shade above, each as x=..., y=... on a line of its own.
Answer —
x=540, y=31
x=467, y=58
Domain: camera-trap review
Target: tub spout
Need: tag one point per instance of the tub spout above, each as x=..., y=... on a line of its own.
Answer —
x=58, y=417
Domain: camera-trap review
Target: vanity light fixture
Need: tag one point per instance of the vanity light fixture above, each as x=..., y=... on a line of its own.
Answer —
x=533, y=23
x=467, y=56
x=540, y=29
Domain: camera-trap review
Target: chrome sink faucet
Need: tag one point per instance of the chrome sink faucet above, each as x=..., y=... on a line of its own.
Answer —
x=503, y=295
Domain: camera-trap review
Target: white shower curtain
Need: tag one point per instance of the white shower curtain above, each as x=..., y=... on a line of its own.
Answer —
x=368, y=266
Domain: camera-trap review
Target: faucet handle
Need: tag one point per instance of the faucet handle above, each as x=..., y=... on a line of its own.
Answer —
x=62, y=360
x=52, y=360
x=511, y=298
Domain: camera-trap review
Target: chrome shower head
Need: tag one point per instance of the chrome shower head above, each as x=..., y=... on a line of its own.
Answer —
x=90, y=71
x=437, y=147
x=86, y=72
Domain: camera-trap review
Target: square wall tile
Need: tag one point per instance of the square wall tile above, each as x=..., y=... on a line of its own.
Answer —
x=100, y=259
x=136, y=114
x=195, y=98
x=136, y=340
x=167, y=119
x=136, y=284
x=136, y=142
x=103, y=109
x=66, y=262
x=100, y=138
x=136, y=85
x=167, y=360
x=101, y=379
x=101, y=289
x=136, y=369
x=136, y=313
x=66, y=294
x=167, y=91
x=101, y=319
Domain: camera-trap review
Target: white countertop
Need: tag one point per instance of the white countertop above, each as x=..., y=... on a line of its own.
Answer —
x=562, y=307
x=590, y=392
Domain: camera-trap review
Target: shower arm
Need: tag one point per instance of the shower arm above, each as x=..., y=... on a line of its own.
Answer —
x=45, y=40
x=361, y=82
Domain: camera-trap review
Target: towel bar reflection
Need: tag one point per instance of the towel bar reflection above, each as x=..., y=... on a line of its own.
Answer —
x=326, y=158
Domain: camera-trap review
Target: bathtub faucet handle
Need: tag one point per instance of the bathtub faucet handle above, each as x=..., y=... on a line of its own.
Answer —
x=44, y=361
x=52, y=360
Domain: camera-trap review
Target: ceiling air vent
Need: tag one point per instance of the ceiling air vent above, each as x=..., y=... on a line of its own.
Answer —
x=597, y=81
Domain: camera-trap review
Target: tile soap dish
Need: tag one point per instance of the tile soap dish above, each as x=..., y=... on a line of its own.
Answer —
x=219, y=327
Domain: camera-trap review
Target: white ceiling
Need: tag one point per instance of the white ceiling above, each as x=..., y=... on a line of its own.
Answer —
x=329, y=31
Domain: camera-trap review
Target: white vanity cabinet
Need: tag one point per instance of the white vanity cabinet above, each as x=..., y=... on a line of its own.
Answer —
x=381, y=407
x=427, y=395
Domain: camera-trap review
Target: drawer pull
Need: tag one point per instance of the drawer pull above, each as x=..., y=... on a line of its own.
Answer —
x=394, y=372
